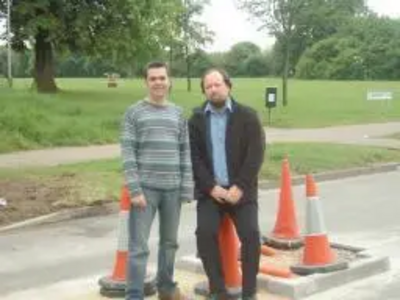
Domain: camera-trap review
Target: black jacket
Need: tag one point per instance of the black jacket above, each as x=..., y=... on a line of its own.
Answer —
x=245, y=146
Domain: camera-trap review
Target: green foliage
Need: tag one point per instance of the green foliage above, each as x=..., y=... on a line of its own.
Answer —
x=367, y=48
x=244, y=59
x=200, y=63
x=122, y=29
x=194, y=35
x=236, y=57
x=256, y=66
x=332, y=58
x=118, y=30
x=299, y=24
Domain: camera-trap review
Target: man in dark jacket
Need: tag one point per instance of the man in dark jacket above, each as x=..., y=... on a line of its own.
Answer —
x=227, y=148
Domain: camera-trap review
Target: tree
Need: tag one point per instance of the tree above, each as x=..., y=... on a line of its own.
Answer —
x=256, y=66
x=121, y=30
x=379, y=44
x=332, y=58
x=218, y=59
x=367, y=48
x=278, y=16
x=200, y=62
x=195, y=34
x=3, y=62
x=237, y=56
x=321, y=19
x=298, y=24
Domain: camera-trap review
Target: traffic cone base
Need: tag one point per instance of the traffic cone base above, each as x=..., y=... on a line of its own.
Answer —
x=327, y=268
x=283, y=243
x=317, y=251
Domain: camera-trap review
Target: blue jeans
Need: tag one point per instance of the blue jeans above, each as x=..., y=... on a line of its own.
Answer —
x=168, y=205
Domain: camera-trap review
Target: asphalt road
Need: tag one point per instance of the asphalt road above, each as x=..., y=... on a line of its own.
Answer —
x=360, y=211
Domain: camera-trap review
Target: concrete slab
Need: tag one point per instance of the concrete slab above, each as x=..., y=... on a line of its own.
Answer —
x=365, y=265
x=88, y=289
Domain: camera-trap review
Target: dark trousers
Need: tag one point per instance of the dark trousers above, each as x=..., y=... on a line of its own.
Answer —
x=245, y=218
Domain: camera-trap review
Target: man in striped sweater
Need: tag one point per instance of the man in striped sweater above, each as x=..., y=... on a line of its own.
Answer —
x=158, y=172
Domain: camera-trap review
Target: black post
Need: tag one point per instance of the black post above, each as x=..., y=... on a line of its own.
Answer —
x=270, y=100
x=269, y=116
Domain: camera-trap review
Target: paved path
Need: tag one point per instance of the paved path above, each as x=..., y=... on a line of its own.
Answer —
x=368, y=134
x=65, y=260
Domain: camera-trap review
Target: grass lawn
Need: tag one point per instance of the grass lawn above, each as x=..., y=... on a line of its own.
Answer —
x=37, y=191
x=87, y=112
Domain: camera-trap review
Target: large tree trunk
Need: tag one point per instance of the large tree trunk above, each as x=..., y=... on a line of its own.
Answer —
x=44, y=64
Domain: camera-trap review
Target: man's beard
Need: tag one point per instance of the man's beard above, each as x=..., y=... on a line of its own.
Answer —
x=218, y=104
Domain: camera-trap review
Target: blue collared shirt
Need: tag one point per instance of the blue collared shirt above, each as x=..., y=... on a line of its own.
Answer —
x=218, y=122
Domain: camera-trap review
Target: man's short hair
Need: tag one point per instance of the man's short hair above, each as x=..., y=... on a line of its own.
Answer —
x=221, y=71
x=155, y=65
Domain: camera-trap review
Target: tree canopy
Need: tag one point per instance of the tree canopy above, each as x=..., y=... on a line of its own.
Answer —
x=314, y=39
x=122, y=30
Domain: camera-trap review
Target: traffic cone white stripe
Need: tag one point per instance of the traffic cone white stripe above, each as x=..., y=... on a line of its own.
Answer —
x=123, y=230
x=315, y=224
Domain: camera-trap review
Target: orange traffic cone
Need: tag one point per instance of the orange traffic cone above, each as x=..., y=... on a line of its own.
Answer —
x=229, y=246
x=229, y=252
x=115, y=284
x=318, y=256
x=267, y=251
x=270, y=269
x=286, y=234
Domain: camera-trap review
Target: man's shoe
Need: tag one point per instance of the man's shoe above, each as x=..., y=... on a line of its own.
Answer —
x=176, y=295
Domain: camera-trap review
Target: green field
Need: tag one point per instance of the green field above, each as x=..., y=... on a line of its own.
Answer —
x=87, y=112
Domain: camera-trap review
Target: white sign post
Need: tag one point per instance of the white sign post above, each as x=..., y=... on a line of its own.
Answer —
x=380, y=95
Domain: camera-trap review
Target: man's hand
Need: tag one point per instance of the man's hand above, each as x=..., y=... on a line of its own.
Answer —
x=139, y=201
x=234, y=195
x=219, y=194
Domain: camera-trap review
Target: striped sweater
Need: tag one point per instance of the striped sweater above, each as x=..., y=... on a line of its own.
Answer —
x=155, y=149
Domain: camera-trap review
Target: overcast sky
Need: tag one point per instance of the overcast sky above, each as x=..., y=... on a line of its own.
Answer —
x=231, y=25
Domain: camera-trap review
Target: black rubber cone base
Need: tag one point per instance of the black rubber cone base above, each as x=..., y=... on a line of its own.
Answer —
x=308, y=270
x=283, y=244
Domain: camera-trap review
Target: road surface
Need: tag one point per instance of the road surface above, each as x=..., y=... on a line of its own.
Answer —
x=361, y=211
